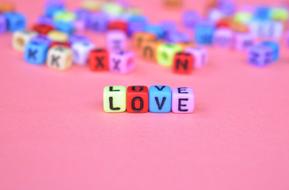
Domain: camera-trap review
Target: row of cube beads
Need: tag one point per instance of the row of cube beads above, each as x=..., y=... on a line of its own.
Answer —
x=141, y=99
x=58, y=53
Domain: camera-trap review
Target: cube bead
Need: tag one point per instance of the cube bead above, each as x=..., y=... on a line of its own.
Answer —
x=200, y=56
x=15, y=21
x=122, y=62
x=160, y=99
x=59, y=58
x=223, y=37
x=183, y=63
x=21, y=38
x=58, y=36
x=114, y=99
x=36, y=51
x=149, y=50
x=137, y=99
x=166, y=53
x=98, y=60
x=81, y=50
x=260, y=55
x=140, y=37
x=183, y=100
x=116, y=41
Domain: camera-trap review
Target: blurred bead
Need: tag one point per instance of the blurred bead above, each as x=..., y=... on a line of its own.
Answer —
x=223, y=37
x=243, y=41
x=116, y=41
x=260, y=55
x=190, y=18
x=204, y=33
x=275, y=49
x=122, y=62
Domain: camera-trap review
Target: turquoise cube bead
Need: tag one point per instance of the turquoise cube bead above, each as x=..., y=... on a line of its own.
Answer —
x=160, y=99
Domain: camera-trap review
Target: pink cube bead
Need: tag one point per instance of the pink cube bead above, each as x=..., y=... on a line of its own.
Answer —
x=122, y=62
x=116, y=41
x=223, y=37
x=243, y=41
x=183, y=100
x=200, y=55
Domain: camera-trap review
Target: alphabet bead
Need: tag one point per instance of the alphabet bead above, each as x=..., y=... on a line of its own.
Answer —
x=260, y=55
x=140, y=37
x=243, y=41
x=15, y=21
x=116, y=41
x=137, y=99
x=122, y=62
x=183, y=63
x=81, y=50
x=166, y=53
x=21, y=38
x=183, y=100
x=98, y=60
x=97, y=22
x=59, y=58
x=36, y=50
x=204, y=33
x=274, y=47
x=200, y=56
x=149, y=50
x=160, y=99
x=114, y=99
x=223, y=37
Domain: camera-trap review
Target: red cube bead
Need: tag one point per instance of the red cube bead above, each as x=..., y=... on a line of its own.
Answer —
x=118, y=25
x=63, y=44
x=183, y=63
x=137, y=99
x=42, y=29
x=98, y=60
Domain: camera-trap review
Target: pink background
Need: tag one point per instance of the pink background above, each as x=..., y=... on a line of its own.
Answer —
x=54, y=134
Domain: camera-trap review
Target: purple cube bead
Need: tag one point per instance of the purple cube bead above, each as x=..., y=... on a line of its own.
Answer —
x=122, y=62
x=97, y=22
x=183, y=100
x=3, y=24
x=190, y=18
x=260, y=55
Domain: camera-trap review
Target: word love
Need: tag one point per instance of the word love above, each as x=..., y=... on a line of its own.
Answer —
x=141, y=99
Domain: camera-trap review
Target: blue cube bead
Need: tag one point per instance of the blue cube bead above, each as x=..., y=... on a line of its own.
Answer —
x=3, y=24
x=168, y=27
x=36, y=50
x=15, y=21
x=177, y=37
x=275, y=49
x=260, y=55
x=52, y=7
x=262, y=13
x=190, y=19
x=156, y=30
x=66, y=27
x=136, y=23
x=160, y=99
x=204, y=33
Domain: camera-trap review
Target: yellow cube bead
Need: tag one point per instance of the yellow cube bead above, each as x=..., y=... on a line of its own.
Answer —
x=58, y=36
x=59, y=58
x=114, y=99
x=21, y=38
x=166, y=54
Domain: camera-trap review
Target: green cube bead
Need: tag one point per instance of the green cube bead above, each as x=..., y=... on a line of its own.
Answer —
x=64, y=16
x=279, y=14
x=166, y=54
x=114, y=99
x=243, y=17
x=113, y=9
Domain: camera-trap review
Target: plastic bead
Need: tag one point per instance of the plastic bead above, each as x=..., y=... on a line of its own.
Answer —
x=114, y=99
x=160, y=99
